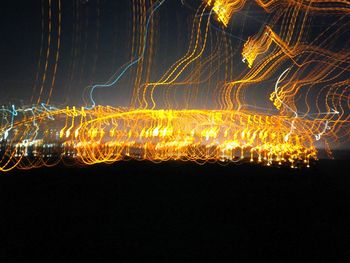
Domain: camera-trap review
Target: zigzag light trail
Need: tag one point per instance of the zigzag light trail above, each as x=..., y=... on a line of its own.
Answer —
x=281, y=53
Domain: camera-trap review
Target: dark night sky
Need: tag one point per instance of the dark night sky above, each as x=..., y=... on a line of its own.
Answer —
x=20, y=25
x=95, y=43
x=82, y=43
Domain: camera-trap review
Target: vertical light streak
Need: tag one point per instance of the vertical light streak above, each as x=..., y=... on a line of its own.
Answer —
x=59, y=29
x=48, y=48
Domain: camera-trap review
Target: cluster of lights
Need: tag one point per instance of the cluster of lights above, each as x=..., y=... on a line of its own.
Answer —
x=107, y=135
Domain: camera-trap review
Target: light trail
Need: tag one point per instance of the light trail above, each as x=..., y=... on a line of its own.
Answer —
x=131, y=64
x=304, y=80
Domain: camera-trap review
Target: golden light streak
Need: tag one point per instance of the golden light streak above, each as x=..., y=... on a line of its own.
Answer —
x=225, y=9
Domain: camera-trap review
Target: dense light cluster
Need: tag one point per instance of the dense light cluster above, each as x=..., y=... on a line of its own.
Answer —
x=108, y=135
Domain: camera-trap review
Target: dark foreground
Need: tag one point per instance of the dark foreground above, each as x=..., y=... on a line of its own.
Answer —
x=177, y=212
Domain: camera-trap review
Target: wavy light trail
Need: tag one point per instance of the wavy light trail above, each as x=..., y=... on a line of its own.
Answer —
x=305, y=81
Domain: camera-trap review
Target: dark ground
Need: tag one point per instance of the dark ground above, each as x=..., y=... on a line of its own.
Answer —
x=177, y=212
